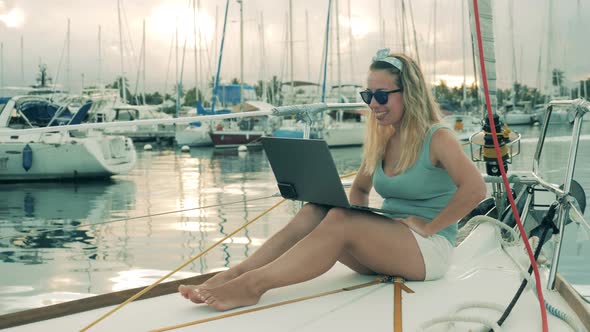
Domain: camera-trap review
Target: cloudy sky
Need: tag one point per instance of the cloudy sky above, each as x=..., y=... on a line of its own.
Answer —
x=42, y=28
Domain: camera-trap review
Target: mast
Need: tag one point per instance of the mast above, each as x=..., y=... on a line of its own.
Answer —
x=434, y=29
x=262, y=59
x=143, y=48
x=339, y=80
x=511, y=29
x=22, y=60
x=291, y=59
x=122, y=83
x=99, y=72
x=241, y=55
x=307, y=45
x=327, y=42
x=464, y=56
x=549, y=79
x=196, y=43
x=68, y=69
x=414, y=33
x=381, y=25
x=216, y=84
x=350, y=43
x=1, y=64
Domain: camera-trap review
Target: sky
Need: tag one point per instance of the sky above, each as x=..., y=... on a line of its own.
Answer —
x=41, y=26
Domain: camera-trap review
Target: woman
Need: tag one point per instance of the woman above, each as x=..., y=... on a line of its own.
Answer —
x=414, y=163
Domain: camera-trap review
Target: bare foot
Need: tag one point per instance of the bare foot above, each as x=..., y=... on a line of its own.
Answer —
x=187, y=291
x=232, y=294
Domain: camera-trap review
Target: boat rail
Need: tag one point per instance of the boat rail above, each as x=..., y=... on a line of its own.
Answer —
x=307, y=110
x=564, y=196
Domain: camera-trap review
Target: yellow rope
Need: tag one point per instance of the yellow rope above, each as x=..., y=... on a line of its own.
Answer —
x=147, y=289
x=268, y=306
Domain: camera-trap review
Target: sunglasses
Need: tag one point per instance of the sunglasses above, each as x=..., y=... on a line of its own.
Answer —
x=380, y=95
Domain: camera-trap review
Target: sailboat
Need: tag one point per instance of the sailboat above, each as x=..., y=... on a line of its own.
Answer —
x=57, y=154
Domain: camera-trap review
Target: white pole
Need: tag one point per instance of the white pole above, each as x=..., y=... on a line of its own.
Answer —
x=99, y=73
x=434, y=29
x=143, y=50
x=291, y=63
x=122, y=81
x=22, y=60
x=308, y=62
x=464, y=56
x=351, y=43
x=241, y=55
x=1, y=64
x=338, y=77
x=196, y=44
x=68, y=69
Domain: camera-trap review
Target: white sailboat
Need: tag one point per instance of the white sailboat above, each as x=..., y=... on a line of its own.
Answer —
x=56, y=154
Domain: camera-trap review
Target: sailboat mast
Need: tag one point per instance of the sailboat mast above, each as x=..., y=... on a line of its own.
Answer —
x=22, y=60
x=143, y=48
x=1, y=64
x=351, y=43
x=307, y=45
x=511, y=29
x=434, y=29
x=464, y=56
x=326, y=44
x=122, y=84
x=99, y=73
x=195, y=43
x=241, y=55
x=216, y=85
x=549, y=79
x=291, y=58
x=338, y=76
x=68, y=71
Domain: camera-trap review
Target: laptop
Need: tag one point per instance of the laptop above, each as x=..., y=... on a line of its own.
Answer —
x=305, y=171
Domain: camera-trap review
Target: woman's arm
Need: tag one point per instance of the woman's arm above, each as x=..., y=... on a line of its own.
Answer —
x=447, y=153
x=361, y=187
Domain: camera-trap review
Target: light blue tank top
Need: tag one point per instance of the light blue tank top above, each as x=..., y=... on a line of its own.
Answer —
x=423, y=190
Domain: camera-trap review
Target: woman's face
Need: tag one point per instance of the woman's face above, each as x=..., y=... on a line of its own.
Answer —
x=392, y=112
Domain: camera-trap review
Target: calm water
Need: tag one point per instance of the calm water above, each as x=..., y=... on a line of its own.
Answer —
x=63, y=241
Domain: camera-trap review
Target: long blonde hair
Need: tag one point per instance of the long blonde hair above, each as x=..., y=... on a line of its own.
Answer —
x=420, y=113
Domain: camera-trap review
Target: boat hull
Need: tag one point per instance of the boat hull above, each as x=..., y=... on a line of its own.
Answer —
x=233, y=139
x=58, y=156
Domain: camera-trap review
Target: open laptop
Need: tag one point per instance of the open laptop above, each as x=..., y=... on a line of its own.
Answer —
x=305, y=171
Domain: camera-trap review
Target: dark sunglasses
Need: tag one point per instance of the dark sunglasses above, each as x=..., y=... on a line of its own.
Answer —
x=380, y=95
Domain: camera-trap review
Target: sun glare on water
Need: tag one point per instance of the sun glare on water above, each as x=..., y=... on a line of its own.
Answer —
x=165, y=19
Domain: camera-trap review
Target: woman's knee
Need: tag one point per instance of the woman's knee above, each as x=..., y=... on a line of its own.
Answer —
x=308, y=218
x=338, y=217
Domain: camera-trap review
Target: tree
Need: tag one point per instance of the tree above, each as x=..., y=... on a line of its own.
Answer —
x=116, y=85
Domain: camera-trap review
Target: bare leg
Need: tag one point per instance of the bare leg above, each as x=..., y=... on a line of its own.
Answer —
x=302, y=224
x=374, y=242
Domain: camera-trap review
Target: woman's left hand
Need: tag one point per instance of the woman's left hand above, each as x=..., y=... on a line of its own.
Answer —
x=417, y=224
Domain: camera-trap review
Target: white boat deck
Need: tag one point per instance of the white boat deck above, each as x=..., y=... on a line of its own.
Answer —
x=482, y=272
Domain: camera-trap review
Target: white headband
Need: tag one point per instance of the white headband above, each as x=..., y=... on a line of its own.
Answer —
x=383, y=55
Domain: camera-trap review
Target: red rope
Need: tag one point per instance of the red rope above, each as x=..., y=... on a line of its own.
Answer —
x=504, y=177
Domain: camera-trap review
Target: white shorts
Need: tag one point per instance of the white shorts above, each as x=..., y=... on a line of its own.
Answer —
x=437, y=253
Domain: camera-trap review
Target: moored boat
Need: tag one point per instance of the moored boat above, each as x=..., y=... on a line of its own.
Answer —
x=56, y=154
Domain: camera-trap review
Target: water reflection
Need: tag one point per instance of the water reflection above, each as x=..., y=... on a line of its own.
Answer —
x=49, y=215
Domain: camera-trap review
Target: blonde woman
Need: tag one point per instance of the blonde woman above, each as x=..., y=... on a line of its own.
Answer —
x=415, y=163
